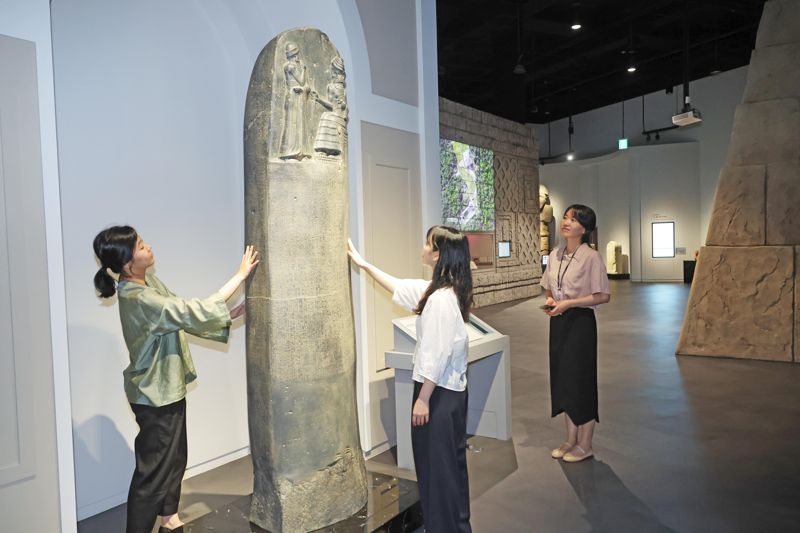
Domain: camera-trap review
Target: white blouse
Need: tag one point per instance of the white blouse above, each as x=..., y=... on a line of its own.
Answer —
x=442, y=343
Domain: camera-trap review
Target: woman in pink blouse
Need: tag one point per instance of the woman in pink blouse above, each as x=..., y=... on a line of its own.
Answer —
x=439, y=412
x=575, y=283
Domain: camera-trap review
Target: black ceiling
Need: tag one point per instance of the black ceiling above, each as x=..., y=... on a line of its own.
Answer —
x=567, y=71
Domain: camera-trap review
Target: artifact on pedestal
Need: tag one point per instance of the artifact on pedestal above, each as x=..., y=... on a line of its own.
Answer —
x=744, y=299
x=613, y=257
x=304, y=441
x=545, y=218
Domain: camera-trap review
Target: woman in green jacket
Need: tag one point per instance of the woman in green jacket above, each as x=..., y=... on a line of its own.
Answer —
x=154, y=322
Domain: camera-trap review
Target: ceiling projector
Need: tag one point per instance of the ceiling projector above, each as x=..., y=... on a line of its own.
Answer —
x=687, y=118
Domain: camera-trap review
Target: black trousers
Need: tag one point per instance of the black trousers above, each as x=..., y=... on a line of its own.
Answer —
x=160, y=449
x=440, y=459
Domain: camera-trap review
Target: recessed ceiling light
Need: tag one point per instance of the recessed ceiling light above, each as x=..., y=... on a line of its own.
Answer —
x=631, y=69
x=576, y=27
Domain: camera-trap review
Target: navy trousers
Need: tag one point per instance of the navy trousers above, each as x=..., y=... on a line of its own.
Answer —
x=440, y=459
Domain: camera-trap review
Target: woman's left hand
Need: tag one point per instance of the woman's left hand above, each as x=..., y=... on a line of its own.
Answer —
x=420, y=415
x=560, y=307
x=237, y=311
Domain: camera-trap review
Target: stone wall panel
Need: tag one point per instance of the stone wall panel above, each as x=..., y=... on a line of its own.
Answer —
x=783, y=208
x=773, y=73
x=516, y=154
x=765, y=132
x=741, y=304
x=780, y=23
x=739, y=212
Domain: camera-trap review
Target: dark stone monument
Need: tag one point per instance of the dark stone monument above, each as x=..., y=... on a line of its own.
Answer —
x=307, y=459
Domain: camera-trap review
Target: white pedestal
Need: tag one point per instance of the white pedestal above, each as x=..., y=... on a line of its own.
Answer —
x=488, y=382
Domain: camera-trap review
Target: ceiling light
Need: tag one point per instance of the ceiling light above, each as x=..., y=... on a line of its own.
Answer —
x=519, y=69
x=575, y=27
x=570, y=156
x=631, y=69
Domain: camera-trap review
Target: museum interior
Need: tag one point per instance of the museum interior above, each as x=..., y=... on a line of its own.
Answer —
x=295, y=125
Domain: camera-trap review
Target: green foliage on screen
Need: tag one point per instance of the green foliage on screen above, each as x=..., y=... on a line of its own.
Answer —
x=467, y=177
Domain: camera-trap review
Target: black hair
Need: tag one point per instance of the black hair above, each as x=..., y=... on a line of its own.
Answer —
x=114, y=248
x=452, y=268
x=586, y=218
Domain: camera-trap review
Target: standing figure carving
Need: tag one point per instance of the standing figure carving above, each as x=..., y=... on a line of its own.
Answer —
x=294, y=71
x=545, y=218
x=332, y=130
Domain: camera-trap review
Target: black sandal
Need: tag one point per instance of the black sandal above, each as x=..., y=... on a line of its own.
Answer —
x=163, y=529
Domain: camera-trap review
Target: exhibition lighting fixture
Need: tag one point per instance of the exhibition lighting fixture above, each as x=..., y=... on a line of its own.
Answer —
x=576, y=27
x=519, y=68
x=631, y=69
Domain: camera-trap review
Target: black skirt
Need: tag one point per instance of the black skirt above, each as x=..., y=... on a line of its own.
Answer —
x=573, y=365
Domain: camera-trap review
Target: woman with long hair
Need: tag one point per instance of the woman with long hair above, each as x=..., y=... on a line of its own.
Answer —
x=153, y=324
x=575, y=283
x=439, y=411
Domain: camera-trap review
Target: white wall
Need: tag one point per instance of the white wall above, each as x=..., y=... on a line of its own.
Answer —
x=597, y=131
x=150, y=107
x=30, y=20
x=628, y=190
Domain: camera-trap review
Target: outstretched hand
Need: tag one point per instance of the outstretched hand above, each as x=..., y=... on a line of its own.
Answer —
x=237, y=311
x=249, y=261
x=355, y=256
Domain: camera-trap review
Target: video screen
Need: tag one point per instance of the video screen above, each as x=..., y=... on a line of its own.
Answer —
x=467, y=176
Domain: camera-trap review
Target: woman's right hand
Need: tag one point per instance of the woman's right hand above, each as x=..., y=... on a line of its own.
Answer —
x=249, y=261
x=550, y=301
x=355, y=256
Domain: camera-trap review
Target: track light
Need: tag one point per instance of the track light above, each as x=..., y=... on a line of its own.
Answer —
x=631, y=69
x=519, y=68
x=575, y=27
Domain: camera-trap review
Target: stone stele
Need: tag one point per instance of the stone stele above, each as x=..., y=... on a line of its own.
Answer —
x=304, y=441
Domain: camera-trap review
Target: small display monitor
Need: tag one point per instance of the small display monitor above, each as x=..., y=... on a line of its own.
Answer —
x=544, y=259
x=504, y=249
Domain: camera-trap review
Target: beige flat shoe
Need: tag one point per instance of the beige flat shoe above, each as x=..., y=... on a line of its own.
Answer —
x=559, y=452
x=577, y=454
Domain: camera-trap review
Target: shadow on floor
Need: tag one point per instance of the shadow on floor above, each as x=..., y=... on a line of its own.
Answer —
x=609, y=504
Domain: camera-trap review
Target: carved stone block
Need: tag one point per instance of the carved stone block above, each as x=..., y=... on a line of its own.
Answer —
x=739, y=207
x=741, y=304
x=780, y=23
x=765, y=132
x=783, y=208
x=773, y=73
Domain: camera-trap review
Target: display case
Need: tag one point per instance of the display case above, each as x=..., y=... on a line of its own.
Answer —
x=488, y=382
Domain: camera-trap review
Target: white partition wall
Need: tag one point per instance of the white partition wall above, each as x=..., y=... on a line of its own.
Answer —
x=150, y=101
x=36, y=470
x=629, y=190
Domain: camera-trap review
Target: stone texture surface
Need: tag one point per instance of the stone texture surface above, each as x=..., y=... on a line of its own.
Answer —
x=744, y=299
x=739, y=207
x=773, y=73
x=516, y=183
x=796, y=353
x=783, y=203
x=765, y=132
x=780, y=23
x=308, y=464
x=741, y=304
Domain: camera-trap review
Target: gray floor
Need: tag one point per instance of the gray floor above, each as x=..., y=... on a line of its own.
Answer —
x=684, y=444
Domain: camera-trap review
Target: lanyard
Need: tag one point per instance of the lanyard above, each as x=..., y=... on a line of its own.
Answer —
x=560, y=276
